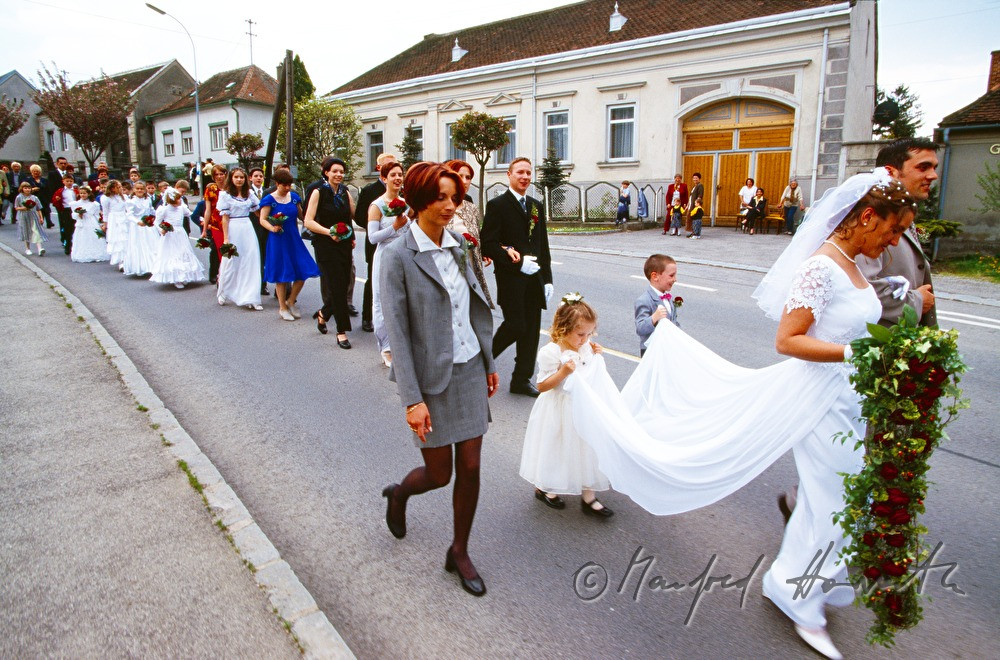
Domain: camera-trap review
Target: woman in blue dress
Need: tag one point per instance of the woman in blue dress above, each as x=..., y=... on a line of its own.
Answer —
x=288, y=260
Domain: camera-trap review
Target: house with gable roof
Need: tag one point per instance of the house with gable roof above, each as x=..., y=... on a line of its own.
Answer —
x=23, y=145
x=643, y=89
x=241, y=100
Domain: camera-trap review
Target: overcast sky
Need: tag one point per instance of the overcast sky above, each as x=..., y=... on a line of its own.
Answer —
x=940, y=49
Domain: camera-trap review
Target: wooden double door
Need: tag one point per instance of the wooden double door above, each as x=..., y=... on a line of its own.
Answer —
x=723, y=174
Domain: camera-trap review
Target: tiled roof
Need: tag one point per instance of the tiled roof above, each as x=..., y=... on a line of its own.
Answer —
x=984, y=110
x=134, y=79
x=571, y=27
x=251, y=83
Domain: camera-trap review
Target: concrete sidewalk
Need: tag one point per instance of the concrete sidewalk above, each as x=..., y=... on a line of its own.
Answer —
x=105, y=548
x=727, y=248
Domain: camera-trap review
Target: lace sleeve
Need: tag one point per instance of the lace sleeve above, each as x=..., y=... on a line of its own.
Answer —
x=812, y=287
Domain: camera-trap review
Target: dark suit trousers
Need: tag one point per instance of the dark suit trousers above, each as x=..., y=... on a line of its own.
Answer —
x=520, y=326
x=262, y=235
x=67, y=225
x=213, y=256
x=334, y=277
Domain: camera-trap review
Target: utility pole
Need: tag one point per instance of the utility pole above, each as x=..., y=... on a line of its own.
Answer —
x=289, y=105
x=250, y=22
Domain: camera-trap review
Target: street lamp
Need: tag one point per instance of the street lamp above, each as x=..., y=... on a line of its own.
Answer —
x=197, y=109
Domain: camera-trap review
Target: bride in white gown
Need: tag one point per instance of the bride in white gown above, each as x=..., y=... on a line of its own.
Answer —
x=681, y=434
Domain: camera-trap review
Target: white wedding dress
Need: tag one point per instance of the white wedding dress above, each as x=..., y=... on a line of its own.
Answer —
x=690, y=428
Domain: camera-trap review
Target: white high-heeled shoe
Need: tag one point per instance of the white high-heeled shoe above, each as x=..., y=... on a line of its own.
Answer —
x=387, y=358
x=819, y=640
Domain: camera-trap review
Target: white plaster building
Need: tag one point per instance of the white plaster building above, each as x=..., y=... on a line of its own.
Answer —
x=22, y=146
x=644, y=89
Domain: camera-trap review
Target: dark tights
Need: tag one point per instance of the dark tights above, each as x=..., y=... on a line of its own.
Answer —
x=436, y=473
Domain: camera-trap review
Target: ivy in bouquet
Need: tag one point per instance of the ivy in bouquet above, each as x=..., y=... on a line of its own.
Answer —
x=908, y=378
x=228, y=250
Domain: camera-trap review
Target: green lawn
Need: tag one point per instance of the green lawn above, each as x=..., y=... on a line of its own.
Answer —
x=977, y=266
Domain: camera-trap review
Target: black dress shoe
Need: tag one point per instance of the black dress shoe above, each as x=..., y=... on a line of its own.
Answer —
x=320, y=323
x=785, y=506
x=474, y=586
x=368, y=326
x=264, y=291
x=352, y=310
x=525, y=388
x=588, y=508
x=554, y=502
x=396, y=527
x=213, y=280
x=344, y=343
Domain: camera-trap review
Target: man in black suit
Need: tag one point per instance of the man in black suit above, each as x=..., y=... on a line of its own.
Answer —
x=369, y=194
x=515, y=226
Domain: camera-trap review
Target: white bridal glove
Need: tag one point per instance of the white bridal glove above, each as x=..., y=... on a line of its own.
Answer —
x=900, y=286
x=528, y=265
x=548, y=293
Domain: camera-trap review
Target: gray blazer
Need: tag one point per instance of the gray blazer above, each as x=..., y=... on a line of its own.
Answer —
x=906, y=259
x=645, y=305
x=417, y=312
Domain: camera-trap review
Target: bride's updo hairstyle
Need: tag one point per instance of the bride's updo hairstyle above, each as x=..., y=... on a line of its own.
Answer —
x=422, y=185
x=885, y=199
x=571, y=312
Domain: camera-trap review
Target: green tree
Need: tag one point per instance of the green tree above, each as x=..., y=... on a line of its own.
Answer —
x=95, y=113
x=480, y=134
x=321, y=129
x=551, y=173
x=989, y=181
x=303, y=88
x=910, y=114
x=245, y=147
x=410, y=148
x=12, y=118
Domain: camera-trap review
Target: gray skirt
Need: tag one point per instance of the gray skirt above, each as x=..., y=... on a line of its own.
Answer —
x=462, y=410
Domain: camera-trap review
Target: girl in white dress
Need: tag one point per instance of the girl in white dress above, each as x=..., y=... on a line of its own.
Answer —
x=175, y=261
x=555, y=458
x=115, y=222
x=144, y=239
x=676, y=438
x=387, y=220
x=86, y=244
x=239, y=277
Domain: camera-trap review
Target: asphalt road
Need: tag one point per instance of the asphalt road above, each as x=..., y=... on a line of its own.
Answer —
x=308, y=434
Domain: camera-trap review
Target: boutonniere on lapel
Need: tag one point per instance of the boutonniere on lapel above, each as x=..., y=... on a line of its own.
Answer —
x=468, y=246
x=533, y=214
x=394, y=208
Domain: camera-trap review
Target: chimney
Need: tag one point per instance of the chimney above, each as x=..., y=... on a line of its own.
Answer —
x=457, y=52
x=994, y=82
x=617, y=20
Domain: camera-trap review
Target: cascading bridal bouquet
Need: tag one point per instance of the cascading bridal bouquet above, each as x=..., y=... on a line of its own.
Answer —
x=908, y=378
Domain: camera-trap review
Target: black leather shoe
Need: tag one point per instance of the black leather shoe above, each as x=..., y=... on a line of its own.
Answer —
x=344, y=343
x=320, y=323
x=588, y=508
x=396, y=527
x=264, y=291
x=368, y=326
x=786, y=504
x=352, y=310
x=525, y=388
x=554, y=502
x=474, y=586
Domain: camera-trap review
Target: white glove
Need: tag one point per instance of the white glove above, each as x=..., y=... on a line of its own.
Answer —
x=900, y=286
x=528, y=265
x=548, y=293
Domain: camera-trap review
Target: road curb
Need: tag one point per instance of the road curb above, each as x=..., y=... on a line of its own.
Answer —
x=290, y=599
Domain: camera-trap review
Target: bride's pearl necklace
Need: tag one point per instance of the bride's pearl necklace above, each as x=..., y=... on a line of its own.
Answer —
x=838, y=249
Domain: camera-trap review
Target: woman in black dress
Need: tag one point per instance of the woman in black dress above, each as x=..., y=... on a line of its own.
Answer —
x=328, y=217
x=757, y=210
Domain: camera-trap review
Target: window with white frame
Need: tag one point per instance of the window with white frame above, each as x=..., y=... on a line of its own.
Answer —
x=220, y=134
x=50, y=140
x=621, y=132
x=376, y=143
x=454, y=153
x=63, y=140
x=168, y=143
x=557, y=134
x=418, y=135
x=508, y=152
x=187, y=142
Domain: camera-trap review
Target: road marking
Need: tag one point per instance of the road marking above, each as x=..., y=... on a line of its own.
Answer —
x=556, y=263
x=609, y=351
x=968, y=316
x=946, y=317
x=360, y=279
x=681, y=284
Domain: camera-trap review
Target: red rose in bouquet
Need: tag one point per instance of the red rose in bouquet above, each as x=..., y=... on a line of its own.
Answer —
x=395, y=207
x=896, y=540
x=893, y=569
x=872, y=573
x=881, y=510
x=899, y=517
x=897, y=497
x=907, y=388
x=341, y=230
x=80, y=211
x=166, y=227
x=869, y=539
x=893, y=602
x=147, y=220
x=228, y=250
x=203, y=243
x=29, y=203
x=919, y=366
x=278, y=220
x=937, y=376
x=889, y=471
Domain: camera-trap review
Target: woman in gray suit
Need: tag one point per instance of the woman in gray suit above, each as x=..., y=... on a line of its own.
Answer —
x=441, y=330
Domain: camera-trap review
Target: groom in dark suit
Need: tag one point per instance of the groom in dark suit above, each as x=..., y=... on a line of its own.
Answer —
x=515, y=238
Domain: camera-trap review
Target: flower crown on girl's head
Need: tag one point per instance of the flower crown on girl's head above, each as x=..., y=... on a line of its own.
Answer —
x=572, y=298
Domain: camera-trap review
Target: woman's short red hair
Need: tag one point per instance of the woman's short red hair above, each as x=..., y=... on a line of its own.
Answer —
x=423, y=183
x=456, y=165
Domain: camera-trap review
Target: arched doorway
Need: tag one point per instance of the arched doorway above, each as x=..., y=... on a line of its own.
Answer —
x=732, y=140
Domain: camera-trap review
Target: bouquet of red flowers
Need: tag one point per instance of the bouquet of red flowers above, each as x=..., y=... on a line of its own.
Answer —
x=80, y=211
x=341, y=230
x=203, y=243
x=228, y=250
x=147, y=220
x=395, y=207
x=278, y=220
x=29, y=203
x=166, y=227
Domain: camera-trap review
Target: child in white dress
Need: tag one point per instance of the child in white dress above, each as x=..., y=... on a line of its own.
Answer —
x=87, y=245
x=175, y=261
x=143, y=238
x=115, y=221
x=555, y=458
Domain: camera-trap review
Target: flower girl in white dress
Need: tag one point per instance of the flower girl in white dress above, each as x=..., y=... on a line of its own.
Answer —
x=87, y=245
x=554, y=457
x=113, y=209
x=175, y=261
x=143, y=239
